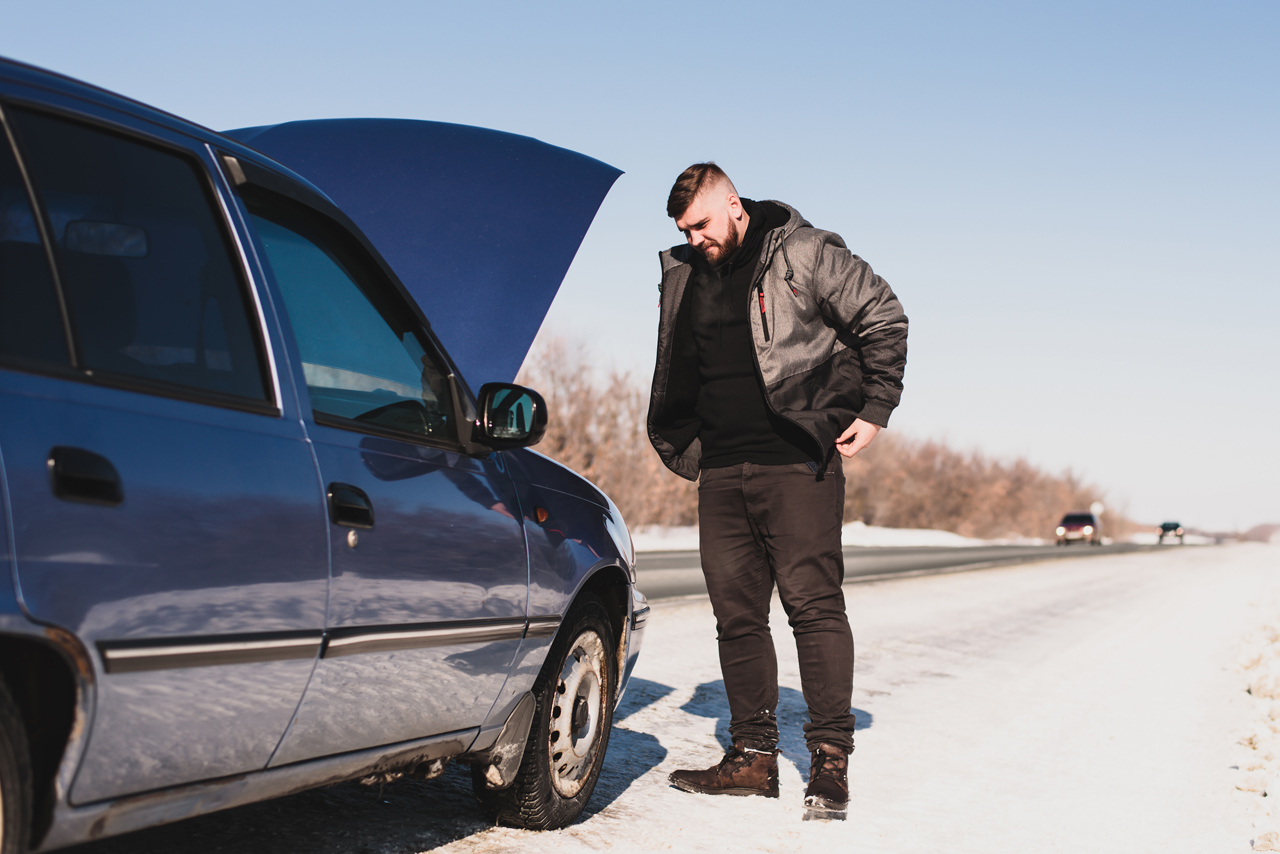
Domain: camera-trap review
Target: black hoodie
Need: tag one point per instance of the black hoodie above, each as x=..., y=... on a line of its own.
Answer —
x=736, y=425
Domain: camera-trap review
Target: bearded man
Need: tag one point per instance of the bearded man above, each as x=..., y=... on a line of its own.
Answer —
x=777, y=347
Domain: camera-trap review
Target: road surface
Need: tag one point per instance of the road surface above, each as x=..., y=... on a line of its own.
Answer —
x=667, y=575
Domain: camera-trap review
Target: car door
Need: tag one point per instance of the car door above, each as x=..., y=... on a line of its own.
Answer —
x=165, y=504
x=430, y=575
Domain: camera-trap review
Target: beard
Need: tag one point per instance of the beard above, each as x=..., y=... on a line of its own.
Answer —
x=716, y=252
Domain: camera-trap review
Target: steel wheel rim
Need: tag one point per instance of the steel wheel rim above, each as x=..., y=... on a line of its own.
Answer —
x=579, y=692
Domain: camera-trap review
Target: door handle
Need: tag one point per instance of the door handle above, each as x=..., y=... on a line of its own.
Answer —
x=79, y=475
x=349, y=506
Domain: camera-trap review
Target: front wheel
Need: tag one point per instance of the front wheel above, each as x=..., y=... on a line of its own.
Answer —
x=575, y=693
x=15, y=778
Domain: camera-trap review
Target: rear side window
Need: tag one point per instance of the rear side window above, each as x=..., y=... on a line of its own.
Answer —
x=365, y=357
x=30, y=319
x=145, y=267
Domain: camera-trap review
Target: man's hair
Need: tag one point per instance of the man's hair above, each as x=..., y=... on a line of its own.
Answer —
x=690, y=183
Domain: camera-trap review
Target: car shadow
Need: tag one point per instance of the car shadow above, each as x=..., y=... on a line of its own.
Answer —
x=402, y=817
x=710, y=701
x=632, y=753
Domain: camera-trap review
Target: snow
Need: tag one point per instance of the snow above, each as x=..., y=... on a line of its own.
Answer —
x=663, y=539
x=1149, y=538
x=1105, y=703
x=1091, y=704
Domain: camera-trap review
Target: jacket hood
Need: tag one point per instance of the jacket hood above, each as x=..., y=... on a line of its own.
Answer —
x=682, y=253
x=480, y=225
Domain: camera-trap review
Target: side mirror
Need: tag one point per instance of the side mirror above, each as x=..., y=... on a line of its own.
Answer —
x=511, y=416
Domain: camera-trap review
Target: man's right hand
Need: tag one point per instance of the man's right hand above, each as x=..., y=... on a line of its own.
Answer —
x=856, y=437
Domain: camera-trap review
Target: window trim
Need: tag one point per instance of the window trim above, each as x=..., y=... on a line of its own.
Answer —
x=222, y=192
x=216, y=201
x=327, y=218
x=73, y=350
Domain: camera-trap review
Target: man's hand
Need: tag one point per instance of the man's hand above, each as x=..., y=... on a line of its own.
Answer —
x=857, y=437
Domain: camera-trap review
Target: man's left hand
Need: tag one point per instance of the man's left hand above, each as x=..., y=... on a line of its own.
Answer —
x=857, y=437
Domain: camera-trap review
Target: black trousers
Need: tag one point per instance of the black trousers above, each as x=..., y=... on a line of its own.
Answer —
x=765, y=525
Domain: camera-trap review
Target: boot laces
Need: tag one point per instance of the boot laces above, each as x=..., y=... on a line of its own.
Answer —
x=828, y=764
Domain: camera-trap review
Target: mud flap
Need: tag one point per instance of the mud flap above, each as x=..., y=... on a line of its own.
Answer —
x=504, y=757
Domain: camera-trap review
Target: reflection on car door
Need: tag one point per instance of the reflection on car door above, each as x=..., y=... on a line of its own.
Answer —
x=429, y=589
x=164, y=508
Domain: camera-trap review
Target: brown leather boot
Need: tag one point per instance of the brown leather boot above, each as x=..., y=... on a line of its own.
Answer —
x=740, y=772
x=827, y=796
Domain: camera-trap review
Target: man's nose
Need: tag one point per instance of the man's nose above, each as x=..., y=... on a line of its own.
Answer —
x=696, y=239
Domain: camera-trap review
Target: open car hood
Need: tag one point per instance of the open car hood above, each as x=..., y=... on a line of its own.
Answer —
x=480, y=225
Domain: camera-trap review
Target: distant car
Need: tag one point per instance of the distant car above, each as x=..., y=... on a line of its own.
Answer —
x=1171, y=529
x=1081, y=527
x=259, y=533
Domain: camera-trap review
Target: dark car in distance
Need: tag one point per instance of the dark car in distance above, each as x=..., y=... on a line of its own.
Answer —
x=1079, y=527
x=1171, y=529
x=260, y=533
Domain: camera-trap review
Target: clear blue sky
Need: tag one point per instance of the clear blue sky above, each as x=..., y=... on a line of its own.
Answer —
x=1078, y=203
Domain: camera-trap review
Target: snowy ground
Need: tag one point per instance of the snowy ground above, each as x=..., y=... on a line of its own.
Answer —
x=1097, y=704
x=660, y=539
x=1086, y=705
x=1149, y=539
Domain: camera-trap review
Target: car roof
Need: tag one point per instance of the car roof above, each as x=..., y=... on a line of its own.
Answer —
x=61, y=84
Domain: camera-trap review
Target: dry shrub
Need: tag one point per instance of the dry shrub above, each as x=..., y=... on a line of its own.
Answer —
x=899, y=482
x=597, y=428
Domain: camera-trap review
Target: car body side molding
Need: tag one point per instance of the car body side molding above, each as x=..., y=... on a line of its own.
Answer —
x=76, y=824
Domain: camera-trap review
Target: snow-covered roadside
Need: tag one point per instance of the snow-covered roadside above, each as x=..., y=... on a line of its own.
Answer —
x=1147, y=538
x=663, y=539
x=1258, y=746
x=1091, y=705
x=1082, y=705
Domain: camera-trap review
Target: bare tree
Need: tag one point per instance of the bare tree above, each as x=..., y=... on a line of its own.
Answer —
x=597, y=428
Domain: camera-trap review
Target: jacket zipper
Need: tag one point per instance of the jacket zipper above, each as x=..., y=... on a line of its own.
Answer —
x=755, y=358
x=764, y=319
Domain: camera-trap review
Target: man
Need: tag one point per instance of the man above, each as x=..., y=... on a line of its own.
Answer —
x=777, y=347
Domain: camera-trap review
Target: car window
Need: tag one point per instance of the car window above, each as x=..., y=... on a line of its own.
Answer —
x=30, y=319
x=145, y=266
x=365, y=357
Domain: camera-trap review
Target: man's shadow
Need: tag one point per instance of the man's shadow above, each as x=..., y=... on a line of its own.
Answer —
x=710, y=701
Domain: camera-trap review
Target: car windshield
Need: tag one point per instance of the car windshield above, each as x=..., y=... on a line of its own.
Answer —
x=1077, y=519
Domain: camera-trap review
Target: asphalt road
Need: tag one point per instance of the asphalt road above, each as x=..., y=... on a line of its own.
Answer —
x=668, y=575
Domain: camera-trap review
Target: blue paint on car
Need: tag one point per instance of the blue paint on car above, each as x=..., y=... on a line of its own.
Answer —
x=260, y=533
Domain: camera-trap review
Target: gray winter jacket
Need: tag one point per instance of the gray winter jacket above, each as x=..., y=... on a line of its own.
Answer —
x=830, y=343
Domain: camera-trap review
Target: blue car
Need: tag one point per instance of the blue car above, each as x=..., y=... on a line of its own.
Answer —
x=260, y=534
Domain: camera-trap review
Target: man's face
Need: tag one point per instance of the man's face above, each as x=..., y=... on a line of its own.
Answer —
x=711, y=223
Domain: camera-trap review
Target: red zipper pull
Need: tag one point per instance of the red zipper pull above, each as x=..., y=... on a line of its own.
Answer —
x=764, y=320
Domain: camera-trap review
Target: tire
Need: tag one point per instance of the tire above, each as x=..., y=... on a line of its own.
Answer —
x=559, y=770
x=15, y=778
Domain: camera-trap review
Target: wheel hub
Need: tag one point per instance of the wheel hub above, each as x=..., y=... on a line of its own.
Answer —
x=581, y=715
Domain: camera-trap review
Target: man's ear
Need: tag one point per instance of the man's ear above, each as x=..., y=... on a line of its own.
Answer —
x=735, y=205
